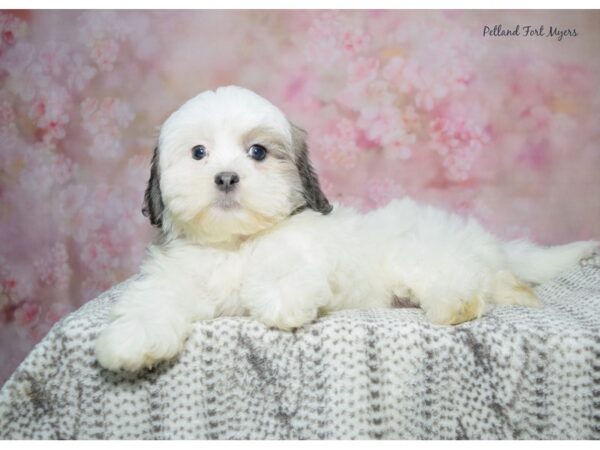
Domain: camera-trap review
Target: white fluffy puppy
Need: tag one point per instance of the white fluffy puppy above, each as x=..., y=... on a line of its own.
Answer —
x=246, y=230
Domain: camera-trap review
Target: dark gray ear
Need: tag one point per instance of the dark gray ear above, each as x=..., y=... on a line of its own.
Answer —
x=315, y=199
x=153, y=204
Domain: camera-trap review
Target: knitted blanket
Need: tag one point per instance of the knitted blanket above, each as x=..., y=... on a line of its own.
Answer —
x=516, y=373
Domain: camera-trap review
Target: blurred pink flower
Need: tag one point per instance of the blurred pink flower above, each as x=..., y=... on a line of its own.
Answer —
x=380, y=191
x=389, y=127
x=27, y=313
x=104, y=121
x=79, y=73
x=7, y=281
x=9, y=140
x=70, y=200
x=97, y=252
x=53, y=268
x=7, y=114
x=333, y=36
x=11, y=30
x=362, y=70
x=393, y=71
x=54, y=58
x=15, y=284
x=343, y=157
x=50, y=111
x=44, y=169
x=18, y=58
x=104, y=53
x=26, y=77
x=95, y=25
x=459, y=141
x=337, y=143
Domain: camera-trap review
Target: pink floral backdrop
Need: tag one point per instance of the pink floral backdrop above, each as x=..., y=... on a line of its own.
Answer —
x=396, y=103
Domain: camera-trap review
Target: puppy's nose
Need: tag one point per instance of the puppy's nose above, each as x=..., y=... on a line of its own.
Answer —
x=226, y=181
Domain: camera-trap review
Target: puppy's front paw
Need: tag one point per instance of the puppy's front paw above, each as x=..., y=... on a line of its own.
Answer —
x=288, y=318
x=283, y=307
x=289, y=302
x=131, y=344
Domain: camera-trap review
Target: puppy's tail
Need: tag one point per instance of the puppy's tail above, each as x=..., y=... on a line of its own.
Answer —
x=537, y=264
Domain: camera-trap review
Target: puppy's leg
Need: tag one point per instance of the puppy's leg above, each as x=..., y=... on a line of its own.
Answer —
x=288, y=283
x=287, y=299
x=454, y=294
x=445, y=298
x=152, y=320
x=445, y=264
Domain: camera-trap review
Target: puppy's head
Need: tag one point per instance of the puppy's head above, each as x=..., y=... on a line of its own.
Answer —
x=228, y=165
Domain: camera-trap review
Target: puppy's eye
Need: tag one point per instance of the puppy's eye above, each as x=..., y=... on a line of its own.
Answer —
x=257, y=152
x=198, y=152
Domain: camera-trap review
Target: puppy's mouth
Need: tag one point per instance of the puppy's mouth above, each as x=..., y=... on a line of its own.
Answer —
x=226, y=202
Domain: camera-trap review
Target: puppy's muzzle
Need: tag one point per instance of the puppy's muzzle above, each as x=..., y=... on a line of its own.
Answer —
x=226, y=181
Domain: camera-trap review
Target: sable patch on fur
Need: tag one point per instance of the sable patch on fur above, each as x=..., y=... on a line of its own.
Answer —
x=153, y=204
x=315, y=198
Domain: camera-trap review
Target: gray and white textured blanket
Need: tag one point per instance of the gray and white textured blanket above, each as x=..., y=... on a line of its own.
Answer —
x=516, y=373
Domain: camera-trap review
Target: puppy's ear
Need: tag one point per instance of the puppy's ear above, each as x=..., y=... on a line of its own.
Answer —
x=153, y=204
x=314, y=197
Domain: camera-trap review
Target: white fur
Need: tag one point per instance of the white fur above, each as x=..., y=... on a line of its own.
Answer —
x=260, y=260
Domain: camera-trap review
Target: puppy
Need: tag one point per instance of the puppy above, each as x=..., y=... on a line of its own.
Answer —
x=245, y=230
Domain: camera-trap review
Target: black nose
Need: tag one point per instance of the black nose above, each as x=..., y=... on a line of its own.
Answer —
x=226, y=181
